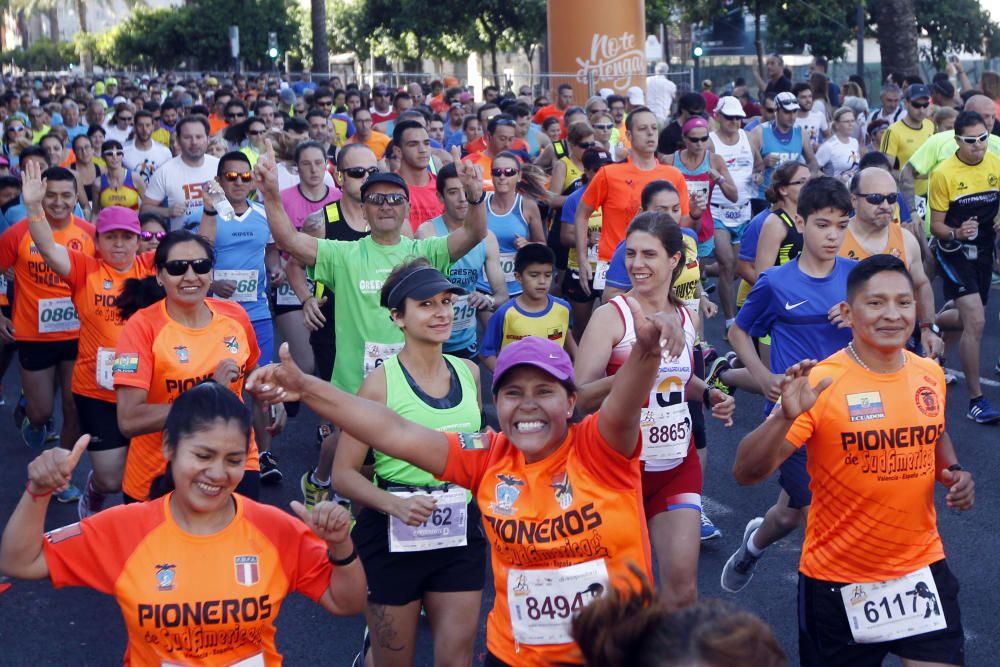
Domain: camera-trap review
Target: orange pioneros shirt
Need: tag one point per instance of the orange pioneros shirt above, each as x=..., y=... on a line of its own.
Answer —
x=166, y=359
x=871, y=440
x=377, y=142
x=192, y=599
x=574, y=518
x=617, y=191
x=43, y=307
x=96, y=286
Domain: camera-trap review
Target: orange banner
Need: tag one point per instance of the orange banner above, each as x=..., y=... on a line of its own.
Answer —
x=597, y=41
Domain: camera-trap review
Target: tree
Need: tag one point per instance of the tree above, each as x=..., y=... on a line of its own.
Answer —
x=824, y=26
x=320, y=51
x=896, y=28
x=957, y=25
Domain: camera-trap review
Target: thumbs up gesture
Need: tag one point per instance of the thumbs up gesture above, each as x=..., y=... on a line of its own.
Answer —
x=52, y=470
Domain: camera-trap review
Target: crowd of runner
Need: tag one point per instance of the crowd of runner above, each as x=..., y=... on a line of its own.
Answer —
x=188, y=262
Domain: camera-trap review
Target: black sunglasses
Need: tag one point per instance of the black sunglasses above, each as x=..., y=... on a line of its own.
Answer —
x=149, y=236
x=360, y=172
x=509, y=172
x=876, y=199
x=920, y=105
x=587, y=144
x=697, y=140
x=178, y=267
x=256, y=133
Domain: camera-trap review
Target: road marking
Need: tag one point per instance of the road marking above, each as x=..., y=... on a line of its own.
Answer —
x=714, y=508
x=961, y=376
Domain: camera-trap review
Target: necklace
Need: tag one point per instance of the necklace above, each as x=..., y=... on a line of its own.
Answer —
x=857, y=358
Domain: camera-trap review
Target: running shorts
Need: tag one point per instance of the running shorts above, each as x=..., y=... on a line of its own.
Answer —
x=40, y=355
x=99, y=419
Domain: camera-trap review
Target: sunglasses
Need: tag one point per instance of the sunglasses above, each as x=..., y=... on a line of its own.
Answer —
x=771, y=109
x=391, y=198
x=976, y=140
x=732, y=117
x=359, y=172
x=697, y=140
x=178, y=267
x=256, y=133
x=245, y=176
x=604, y=126
x=18, y=129
x=509, y=172
x=125, y=118
x=504, y=122
x=149, y=236
x=238, y=114
x=920, y=105
x=876, y=199
x=113, y=153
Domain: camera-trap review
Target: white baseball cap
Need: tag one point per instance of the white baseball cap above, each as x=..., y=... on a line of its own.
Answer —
x=730, y=106
x=635, y=96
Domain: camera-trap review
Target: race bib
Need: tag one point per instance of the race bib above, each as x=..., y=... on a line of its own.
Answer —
x=542, y=603
x=666, y=432
x=105, y=368
x=888, y=610
x=446, y=527
x=246, y=283
x=733, y=216
x=601, y=274
x=285, y=295
x=465, y=315
x=920, y=204
x=377, y=353
x=55, y=315
x=256, y=660
x=507, y=265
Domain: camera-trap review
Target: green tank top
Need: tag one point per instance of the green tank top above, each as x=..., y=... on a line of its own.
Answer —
x=401, y=399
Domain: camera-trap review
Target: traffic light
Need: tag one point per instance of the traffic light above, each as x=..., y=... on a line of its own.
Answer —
x=272, y=45
x=697, y=50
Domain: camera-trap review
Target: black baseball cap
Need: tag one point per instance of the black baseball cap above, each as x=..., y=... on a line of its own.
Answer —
x=918, y=91
x=594, y=158
x=385, y=177
x=421, y=283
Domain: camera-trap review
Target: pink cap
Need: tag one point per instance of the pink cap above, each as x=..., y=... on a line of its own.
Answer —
x=541, y=353
x=118, y=217
x=693, y=123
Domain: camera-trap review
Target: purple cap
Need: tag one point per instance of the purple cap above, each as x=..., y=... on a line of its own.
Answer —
x=541, y=353
x=117, y=217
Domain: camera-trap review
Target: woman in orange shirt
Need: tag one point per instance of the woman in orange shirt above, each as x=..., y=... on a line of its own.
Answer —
x=201, y=573
x=179, y=341
x=561, y=502
x=95, y=284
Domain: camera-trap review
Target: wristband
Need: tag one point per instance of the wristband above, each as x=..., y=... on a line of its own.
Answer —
x=343, y=561
x=209, y=212
x=705, y=397
x=935, y=329
x=36, y=496
x=482, y=198
x=955, y=468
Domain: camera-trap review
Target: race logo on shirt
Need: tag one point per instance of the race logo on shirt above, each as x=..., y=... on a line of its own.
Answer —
x=247, y=571
x=182, y=354
x=126, y=363
x=108, y=284
x=865, y=406
x=165, y=577
x=563, y=489
x=507, y=492
x=927, y=401
x=231, y=344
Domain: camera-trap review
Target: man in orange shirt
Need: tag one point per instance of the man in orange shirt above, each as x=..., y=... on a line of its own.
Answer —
x=500, y=136
x=617, y=191
x=564, y=100
x=873, y=577
x=366, y=134
x=485, y=114
x=45, y=322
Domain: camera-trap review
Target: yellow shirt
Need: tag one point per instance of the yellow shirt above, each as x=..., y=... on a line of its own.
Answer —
x=901, y=141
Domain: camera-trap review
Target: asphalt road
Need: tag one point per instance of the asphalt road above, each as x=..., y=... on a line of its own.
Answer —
x=40, y=626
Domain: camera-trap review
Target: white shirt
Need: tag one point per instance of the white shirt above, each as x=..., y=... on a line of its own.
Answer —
x=111, y=132
x=813, y=126
x=660, y=93
x=177, y=181
x=838, y=159
x=288, y=178
x=144, y=162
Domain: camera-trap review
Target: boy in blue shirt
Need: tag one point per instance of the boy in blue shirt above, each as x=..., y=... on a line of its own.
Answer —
x=797, y=303
x=533, y=312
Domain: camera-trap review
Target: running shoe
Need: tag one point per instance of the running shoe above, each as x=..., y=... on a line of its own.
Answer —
x=53, y=432
x=714, y=377
x=312, y=493
x=738, y=570
x=269, y=473
x=981, y=412
x=708, y=353
x=951, y=378
x=69, y=495
x=34, y=436
x=708, y=529
x=91, y=501
x=20, y=410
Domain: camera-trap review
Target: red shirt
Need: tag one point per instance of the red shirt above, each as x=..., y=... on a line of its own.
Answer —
x=424, y=202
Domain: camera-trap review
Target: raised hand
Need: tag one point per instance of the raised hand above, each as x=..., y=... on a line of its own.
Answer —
x=32, y=185
x=660, y=334
x=278, y=383
x=330, y=521
x=797, y=395
x=52, y=470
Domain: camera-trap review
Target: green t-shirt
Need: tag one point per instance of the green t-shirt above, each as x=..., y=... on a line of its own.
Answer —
x=355, y=271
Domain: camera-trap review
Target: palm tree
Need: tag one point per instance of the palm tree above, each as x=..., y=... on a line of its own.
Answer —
x=320, y=49
x=897, y=35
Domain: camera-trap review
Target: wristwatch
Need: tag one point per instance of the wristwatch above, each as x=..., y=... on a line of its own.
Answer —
x=482, y=198
x=935, y=329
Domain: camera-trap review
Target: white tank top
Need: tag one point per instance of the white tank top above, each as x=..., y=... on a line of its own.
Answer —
x=665, y=419
x=739, y=161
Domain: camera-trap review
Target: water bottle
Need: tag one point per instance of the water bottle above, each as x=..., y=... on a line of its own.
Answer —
x=221, y=205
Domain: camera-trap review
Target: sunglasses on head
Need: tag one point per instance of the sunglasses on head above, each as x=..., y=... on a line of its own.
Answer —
x=245, y=176
x=113, y=153
x=359, y=172
x=920, y=105
x=509, y=172
x=178, y=267
x=391, y=198
x=876, y=199
x=976, y=140
x=505, y=122
x=149, y=236
x=697, y=140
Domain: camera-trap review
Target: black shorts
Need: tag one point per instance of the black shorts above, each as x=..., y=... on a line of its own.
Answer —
x=397, y=579
x=99, y=419
x=793, y=476
x=573, y=291
x=39, y=356
x=963, y=276
x=697, y=408
x=825, y=638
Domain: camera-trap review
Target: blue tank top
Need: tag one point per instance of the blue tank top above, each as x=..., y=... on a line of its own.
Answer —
x=464, y=273
x=239, y=256
x=507, y=227
x=790, y=149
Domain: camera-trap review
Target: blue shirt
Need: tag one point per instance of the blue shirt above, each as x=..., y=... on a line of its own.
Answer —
x=617, y=275
x=751, y=236
x=300, y=87
x=792, y=308
x=239, y=246
x=464, y=273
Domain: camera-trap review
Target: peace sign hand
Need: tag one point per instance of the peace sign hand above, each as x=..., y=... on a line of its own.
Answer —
x=52, y=470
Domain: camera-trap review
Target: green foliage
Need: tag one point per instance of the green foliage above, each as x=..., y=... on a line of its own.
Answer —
x=956, y=25
x=42, y=54
x=825, y=26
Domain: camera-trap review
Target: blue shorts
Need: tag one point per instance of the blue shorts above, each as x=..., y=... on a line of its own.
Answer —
x=706, y=248
x=264, y=330
x=735, y=233
x=794, y=479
